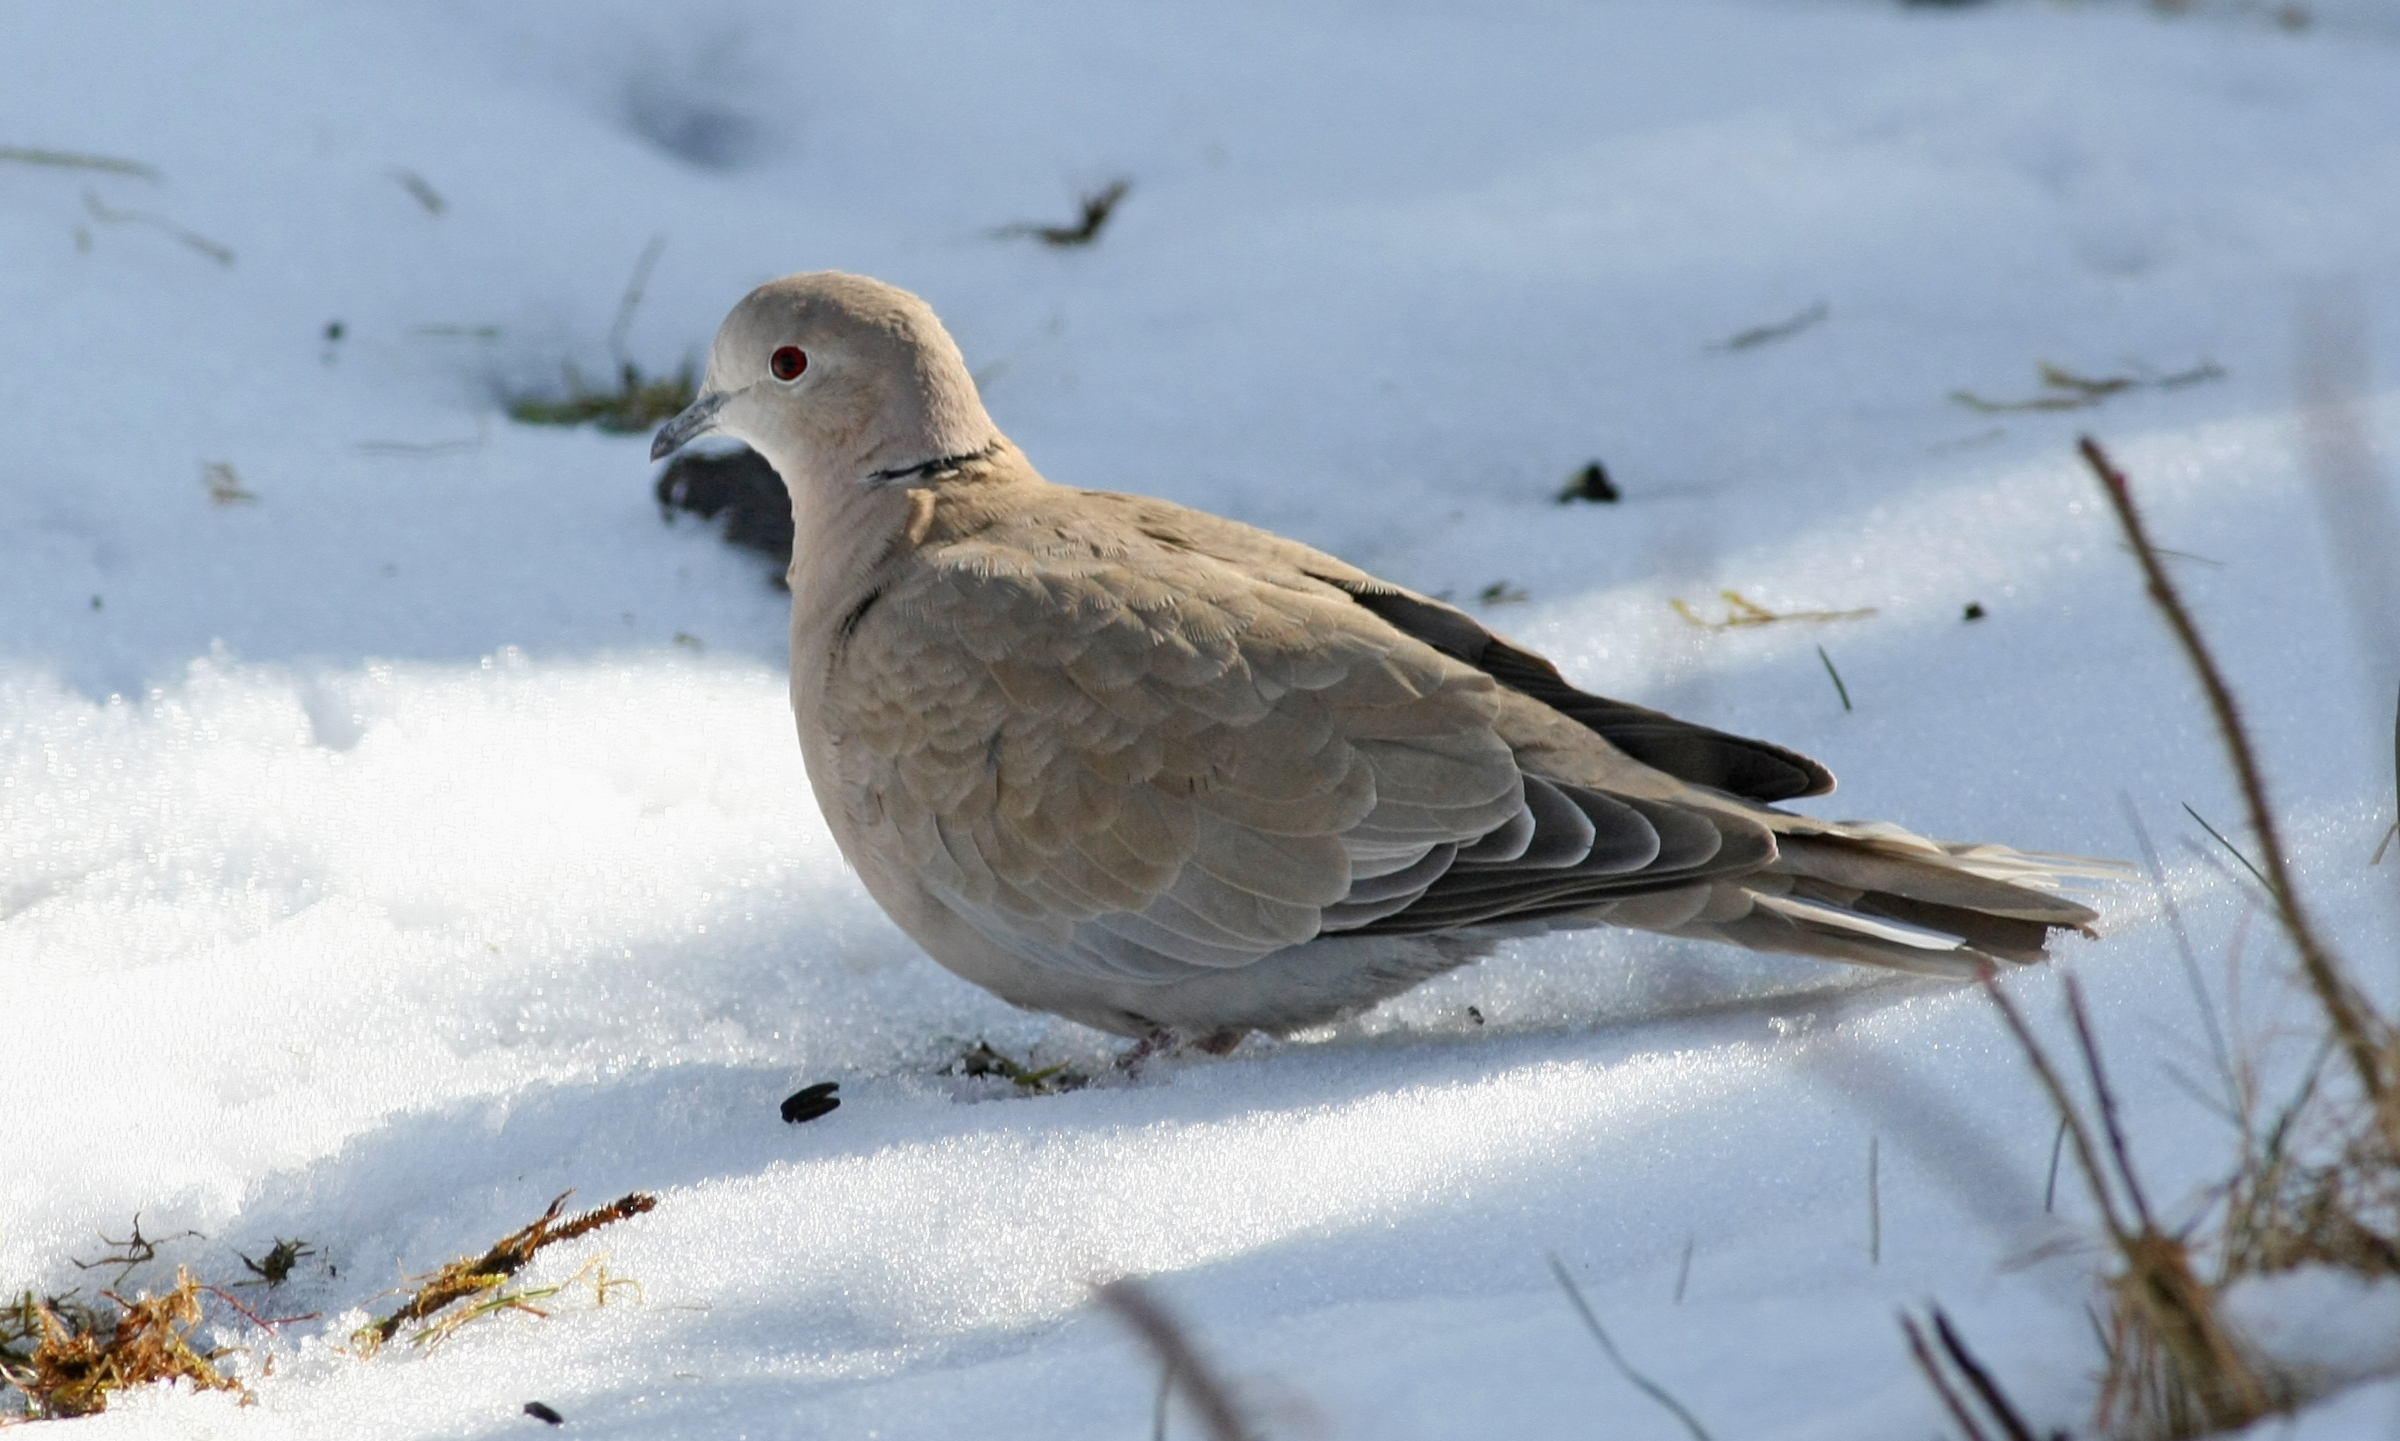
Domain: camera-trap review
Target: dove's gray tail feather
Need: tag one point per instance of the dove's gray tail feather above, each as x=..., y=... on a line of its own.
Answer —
x=1876, y=895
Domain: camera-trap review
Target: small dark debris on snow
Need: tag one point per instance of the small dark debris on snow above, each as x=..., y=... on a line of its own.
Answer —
x=1097, y=206
x=1500, y=592
x=1475, y=1015
x=738, y=485
x=95, y=602
x=811, y=1102
x=1758, y=335
x=1590, y=483
x=540, y=1412
x=421, y=191
x=225, y=483
x=274, y=1268
x=1975, y=610
x=334, y=330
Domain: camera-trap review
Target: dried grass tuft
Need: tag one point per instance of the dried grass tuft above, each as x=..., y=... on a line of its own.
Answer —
x=69, y=1358
x=2176, y=1368
x=636, y=404
x=1184, y=1368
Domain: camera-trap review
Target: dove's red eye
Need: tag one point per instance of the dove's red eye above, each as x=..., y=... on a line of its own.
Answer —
x=788, y=362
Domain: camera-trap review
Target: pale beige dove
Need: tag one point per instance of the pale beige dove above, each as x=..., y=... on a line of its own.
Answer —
x=1158, y=771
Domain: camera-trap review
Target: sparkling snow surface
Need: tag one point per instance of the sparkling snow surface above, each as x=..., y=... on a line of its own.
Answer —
x=387, y=853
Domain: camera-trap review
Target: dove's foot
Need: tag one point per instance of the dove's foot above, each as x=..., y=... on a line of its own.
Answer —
x=1160, y=1042
x=1168, y=1042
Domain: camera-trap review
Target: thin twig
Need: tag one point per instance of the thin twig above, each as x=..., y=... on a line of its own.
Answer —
x=2343, y=1007
x=76, y=160
x=1940, y=1382
x=1683, y=1273
x=102, y=212
x=1874, y=1201
x=1993, y=1397
x=2085, y=1157
x=2107, y=1098
x=1209, y=1395
x=1780, y=330
x=1647, y=1386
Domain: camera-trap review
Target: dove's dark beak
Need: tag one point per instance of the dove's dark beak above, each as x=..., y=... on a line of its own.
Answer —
x=697, y=419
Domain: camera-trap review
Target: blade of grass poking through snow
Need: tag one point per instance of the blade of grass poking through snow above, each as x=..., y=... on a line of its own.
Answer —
x=2230, y=848
x=2217, y=1049
x=1208, y=1394
x=632, y=300
x=1838, y=688
x=2394, y=832
x=2345, y=1009
x=1608, y=1348
x=2058, y=1147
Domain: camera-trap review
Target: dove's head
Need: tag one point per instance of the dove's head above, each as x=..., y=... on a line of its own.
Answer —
x=835, y=378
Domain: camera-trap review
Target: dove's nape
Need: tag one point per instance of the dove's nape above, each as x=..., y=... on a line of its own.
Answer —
x=1149, y=768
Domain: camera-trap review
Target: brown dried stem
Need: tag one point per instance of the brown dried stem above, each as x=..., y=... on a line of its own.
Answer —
x=466, y=1278
x=2347, y=1012
x=1938, y=1379
x=1208, y=1394
x=2175, y=1368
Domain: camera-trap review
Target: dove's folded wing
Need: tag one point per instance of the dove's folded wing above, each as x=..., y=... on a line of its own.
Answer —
x=1116, y=750
x=1117, y=756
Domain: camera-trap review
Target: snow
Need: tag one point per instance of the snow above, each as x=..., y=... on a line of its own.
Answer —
x=2321, y=1319
x=383, y=855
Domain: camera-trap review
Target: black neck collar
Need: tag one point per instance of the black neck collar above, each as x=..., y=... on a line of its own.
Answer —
x=934, y=466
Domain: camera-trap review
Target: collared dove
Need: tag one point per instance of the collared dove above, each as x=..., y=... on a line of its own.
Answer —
x=1159, y=771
